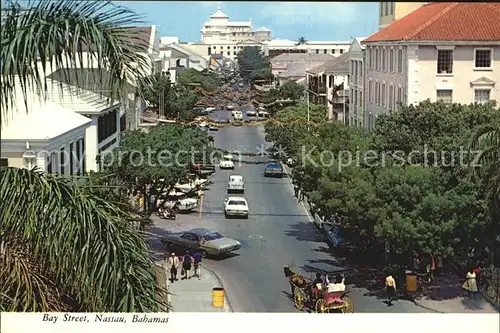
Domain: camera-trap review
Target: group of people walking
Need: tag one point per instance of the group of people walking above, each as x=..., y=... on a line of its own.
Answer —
x=187, y=263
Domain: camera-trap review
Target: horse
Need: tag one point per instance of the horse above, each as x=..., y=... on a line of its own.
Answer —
x=295, y=279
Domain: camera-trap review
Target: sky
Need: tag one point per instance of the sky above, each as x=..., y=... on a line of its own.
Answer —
x=316, y=21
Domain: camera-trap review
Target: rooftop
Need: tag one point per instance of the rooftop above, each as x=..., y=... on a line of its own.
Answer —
x=139, y=36
x=445, y=21
x=301, y=57
x=47, y=118
x=219, y=14
x=338, y=65
x=299, y=69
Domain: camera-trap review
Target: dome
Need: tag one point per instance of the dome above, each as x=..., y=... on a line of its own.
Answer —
x=219, y=14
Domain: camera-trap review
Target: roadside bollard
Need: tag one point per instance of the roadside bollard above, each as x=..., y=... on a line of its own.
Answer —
x=218, y=297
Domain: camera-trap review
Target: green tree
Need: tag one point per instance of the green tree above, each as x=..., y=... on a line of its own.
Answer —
x=209, y=81
x=291, y=90
x=63, y=248
x=253, y=64
x=154, y=162
x=156, y=88
x=301, y=40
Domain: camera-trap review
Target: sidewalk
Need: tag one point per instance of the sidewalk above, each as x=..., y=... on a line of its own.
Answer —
x=195, y=295
x=446, y=296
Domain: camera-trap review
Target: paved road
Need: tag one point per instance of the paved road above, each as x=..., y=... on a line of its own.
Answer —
x=277, y=233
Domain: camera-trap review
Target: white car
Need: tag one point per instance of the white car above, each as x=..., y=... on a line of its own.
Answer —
x=227, y=162
x=230, y=107
x=235, y=206
x=252, y=113
x=237, y=115
x=235, y=184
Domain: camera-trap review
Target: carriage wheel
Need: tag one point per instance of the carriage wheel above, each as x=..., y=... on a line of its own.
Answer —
x=348, y=306
x=298, y=299
x=321, y=306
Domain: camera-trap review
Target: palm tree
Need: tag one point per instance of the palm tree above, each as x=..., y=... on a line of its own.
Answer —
x=301, y=40
x=63, y=247
x=487, y=140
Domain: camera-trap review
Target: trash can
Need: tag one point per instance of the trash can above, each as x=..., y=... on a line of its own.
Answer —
x=411, y=282
x=218, y=297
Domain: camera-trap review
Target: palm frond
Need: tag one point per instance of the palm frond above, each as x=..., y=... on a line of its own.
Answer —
x=78, y=250
x=42, y=36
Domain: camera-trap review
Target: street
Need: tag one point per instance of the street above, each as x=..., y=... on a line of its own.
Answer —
x=277, y=233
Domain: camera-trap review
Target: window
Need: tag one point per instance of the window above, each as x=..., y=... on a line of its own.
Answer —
x=370, y=92
x=355, y=65
x=377, y=93
x=482, y=96
x=355, y=95
x=391, y=8
x=482, y=58
x=377, y=59
x=333, y=51
x=400, y=61
x=384, y=60
x=61, y=161
x=445, y=62
x=383, y=95
x=229, y=53
x=400, y=98
x=78, y=157
x=325, y=51
x=341, y=51
x=370, y=58
x=317, y=51
x=381, y=9
x=360, y=98
x=71, y=158
x=4, y=162
x=84, y=158
x=444, y=95
x=391, y=60
x=386, y=8
x=391, y=97
x=360, y=64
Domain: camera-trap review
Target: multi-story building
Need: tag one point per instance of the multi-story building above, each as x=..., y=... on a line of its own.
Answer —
x=63, y=132
x=337, y=83
x=442, y=51
x=229, y=37
x=391, y=11
x=328, y=86
x=356, y=83
x=176, y=58
x=84, y=95
x=294, y=66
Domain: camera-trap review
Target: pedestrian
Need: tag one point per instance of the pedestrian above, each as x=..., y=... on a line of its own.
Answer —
x=390, y=286
x=296, y=190
x=470, y=283
x=197, y=256
x=173, y=264
x=187, y=261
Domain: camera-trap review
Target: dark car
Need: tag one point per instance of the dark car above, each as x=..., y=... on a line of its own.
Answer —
x=273, y=169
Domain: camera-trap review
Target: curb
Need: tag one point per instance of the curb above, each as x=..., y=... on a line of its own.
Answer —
x=227, y=303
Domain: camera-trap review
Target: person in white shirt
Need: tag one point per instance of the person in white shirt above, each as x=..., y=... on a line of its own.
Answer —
x=173, y=263
x=337, y=286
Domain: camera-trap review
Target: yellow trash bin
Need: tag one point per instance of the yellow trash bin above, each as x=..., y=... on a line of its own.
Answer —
x=411, y=282
x=218, y=297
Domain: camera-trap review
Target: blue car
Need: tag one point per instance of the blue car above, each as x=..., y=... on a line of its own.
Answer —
x=273, y=169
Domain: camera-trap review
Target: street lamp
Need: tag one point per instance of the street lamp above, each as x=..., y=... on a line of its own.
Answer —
x=29, y=156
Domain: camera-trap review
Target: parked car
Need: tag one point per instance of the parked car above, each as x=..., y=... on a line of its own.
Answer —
x=235, y=184
x=209, y=243
x=237, y=115
x=185, y=204
x=251, y=113
x=273, y=169
x=230, y=107
x=235, y=206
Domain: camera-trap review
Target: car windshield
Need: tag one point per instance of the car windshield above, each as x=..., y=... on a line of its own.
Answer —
x=236, y=180
x=212, y=236
x=237, y=203
x=273, y=166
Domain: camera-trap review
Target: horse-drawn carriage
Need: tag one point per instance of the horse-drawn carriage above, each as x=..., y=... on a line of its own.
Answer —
x=306, y=294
